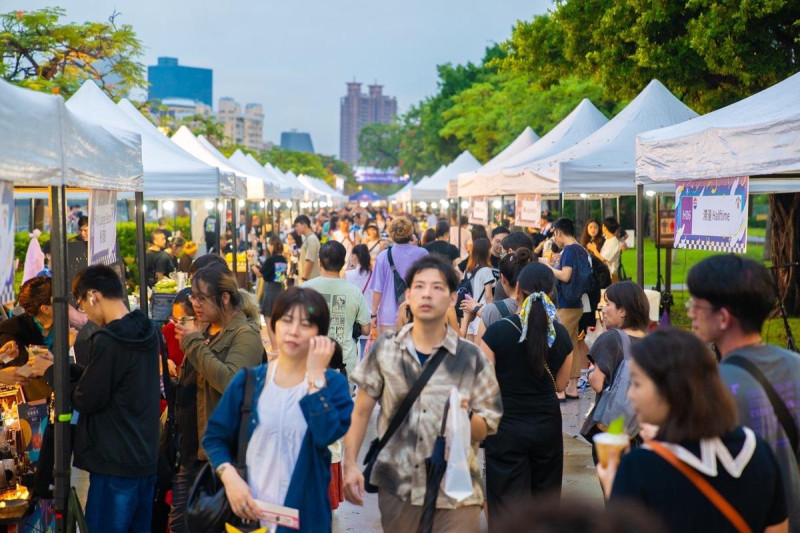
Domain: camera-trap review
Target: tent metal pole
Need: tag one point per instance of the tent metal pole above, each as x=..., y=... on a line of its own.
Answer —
x=560, y=204
x=618, y=218
x=640, y=235
x=502, y=209
x=235, y=232
x=61, y=388
x=458, y=224
x=141, y=251
x=220, y=220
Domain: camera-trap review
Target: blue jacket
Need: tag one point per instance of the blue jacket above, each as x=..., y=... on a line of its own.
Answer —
x=327, y=414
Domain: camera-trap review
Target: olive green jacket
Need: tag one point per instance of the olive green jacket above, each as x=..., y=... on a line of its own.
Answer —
x=238, y=345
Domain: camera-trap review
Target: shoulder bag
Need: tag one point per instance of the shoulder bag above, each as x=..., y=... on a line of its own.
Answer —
x=716, y=499
x=207, y=506
x=399, y=416
x=399, y=284
x=781, y=411
x=613, y=402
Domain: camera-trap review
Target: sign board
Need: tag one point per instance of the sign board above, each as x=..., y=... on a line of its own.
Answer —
x=479, y=210
x=712, y=214
x=665, y=231
x=6, y=241
x=528, y=210
x=102, y=227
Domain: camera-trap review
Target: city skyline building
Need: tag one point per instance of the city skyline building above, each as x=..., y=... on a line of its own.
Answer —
x=168, y=79
x=243, y=126
x=298, y=141
x=357, y=109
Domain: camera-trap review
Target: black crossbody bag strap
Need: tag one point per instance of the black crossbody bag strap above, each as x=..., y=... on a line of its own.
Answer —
x=402, y=411
x=781, y=411
x=244, y=419
x=391, y=261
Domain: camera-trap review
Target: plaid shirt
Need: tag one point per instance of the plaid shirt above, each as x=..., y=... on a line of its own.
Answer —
x=388, y=373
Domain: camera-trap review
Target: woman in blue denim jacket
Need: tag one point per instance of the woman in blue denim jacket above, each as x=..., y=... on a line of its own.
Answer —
x=304, y=408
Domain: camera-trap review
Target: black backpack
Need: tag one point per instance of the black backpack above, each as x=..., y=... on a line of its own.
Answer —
x=465, y=288
x=399, y=285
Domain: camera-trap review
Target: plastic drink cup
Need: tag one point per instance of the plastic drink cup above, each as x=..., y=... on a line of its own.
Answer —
x=37, y=350
x=610, y=445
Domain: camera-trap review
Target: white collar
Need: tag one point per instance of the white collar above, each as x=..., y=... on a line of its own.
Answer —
x=713, y=449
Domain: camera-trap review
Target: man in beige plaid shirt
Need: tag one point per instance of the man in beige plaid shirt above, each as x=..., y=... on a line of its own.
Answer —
x=387, y=374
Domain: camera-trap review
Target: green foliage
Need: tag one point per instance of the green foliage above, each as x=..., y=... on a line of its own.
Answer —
x=39, y=52
x=297, y=162
x=379, y=145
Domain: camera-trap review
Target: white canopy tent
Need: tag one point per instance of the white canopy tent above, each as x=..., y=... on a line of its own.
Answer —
x=272, y=184
x=168, y=170
x=512, y=178
x=45, y=144
x=295, y=183
x=524, y=141
x=435, y=188
x=255, y=186
x=321, y=188
x=189, y=142
x=396, y=197
x=757, y=136
x=604, y=162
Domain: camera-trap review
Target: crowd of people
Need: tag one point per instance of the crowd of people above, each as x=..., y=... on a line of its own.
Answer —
x=355, y=308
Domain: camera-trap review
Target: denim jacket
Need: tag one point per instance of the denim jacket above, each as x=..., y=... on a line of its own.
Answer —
x=327, y=414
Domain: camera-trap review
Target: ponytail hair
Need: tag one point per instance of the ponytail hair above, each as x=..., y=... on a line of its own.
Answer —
x=536, y=338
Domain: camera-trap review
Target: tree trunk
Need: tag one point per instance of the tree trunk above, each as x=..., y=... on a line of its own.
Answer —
x=785, y=213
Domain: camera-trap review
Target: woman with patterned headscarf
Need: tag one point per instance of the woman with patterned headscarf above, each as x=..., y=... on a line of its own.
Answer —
x=532, y=354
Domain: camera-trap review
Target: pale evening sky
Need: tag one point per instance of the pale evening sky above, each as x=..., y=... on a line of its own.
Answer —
x=294, y=56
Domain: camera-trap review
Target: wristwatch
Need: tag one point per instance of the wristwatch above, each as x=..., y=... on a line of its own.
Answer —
x=317, y=383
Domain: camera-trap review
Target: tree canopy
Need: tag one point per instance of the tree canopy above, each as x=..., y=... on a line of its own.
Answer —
x=40, y=52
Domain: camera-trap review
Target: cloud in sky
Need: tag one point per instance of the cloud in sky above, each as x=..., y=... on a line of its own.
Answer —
x=295, y=56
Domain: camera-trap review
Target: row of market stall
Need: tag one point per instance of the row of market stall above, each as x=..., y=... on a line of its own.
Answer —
x=656, y=144
x=91, y=146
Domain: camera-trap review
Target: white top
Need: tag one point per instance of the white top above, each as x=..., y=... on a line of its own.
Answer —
x=610, y=252
x=347, y=240
x=360, y=280
x=275, y=444
x=374, y=249
x=479, y=280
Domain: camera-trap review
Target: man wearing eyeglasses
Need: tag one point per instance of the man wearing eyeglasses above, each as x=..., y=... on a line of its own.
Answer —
x=117, y=400
x=731, y=297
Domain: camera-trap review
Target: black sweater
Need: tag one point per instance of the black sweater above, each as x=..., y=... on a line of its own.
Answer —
x=117, y=397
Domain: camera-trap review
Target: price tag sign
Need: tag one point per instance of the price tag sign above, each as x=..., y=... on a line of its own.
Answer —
x=102, y=227
x=479, y=210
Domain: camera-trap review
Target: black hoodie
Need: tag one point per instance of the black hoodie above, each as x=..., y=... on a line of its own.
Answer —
x=117, y=397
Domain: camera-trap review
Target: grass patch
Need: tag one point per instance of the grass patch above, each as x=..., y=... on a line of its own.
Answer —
x=684, y=260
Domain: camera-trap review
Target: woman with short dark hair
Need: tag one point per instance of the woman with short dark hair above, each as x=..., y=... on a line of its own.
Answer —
x=626, y=312
x=676, y=386
x=301, y=407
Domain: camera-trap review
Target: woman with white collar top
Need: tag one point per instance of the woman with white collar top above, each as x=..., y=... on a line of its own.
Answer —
x=700, y=472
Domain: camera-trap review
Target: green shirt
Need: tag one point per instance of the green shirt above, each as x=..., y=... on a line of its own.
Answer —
x=347, y=306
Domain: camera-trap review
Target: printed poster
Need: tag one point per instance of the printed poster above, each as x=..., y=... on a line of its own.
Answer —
x=6, y=241
x=102, y=227
x=528, y=210
x=712, y=214
x=479, y=210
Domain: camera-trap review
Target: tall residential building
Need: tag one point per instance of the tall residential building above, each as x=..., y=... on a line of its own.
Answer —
x=167, y=79
x=356, y=111
x=244, y=127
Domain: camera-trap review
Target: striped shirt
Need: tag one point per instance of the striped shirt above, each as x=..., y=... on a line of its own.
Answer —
x=387, y=374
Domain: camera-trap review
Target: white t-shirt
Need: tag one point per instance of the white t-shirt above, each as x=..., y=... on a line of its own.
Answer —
x=479, y=290
x=360, y=280
x=610, y=252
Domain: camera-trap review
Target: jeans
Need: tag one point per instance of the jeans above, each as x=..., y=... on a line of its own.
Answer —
x=120, y=504
x=181, y=484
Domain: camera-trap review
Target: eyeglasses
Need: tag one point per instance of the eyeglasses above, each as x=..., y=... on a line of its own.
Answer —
x=692, y=306
x=199, y=298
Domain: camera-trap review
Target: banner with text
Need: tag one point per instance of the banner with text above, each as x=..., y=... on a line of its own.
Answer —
x=6, y=241
x=102, y=227
x=712, y=214
x=528, y=210
x=479, y=210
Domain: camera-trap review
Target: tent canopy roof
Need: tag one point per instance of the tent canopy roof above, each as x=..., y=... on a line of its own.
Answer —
x=435, y=187
x=604, y=162
x=189, y=142
x=46, y=144
x=759, y=135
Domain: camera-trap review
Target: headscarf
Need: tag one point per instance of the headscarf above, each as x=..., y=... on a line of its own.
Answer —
x=549, y=309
